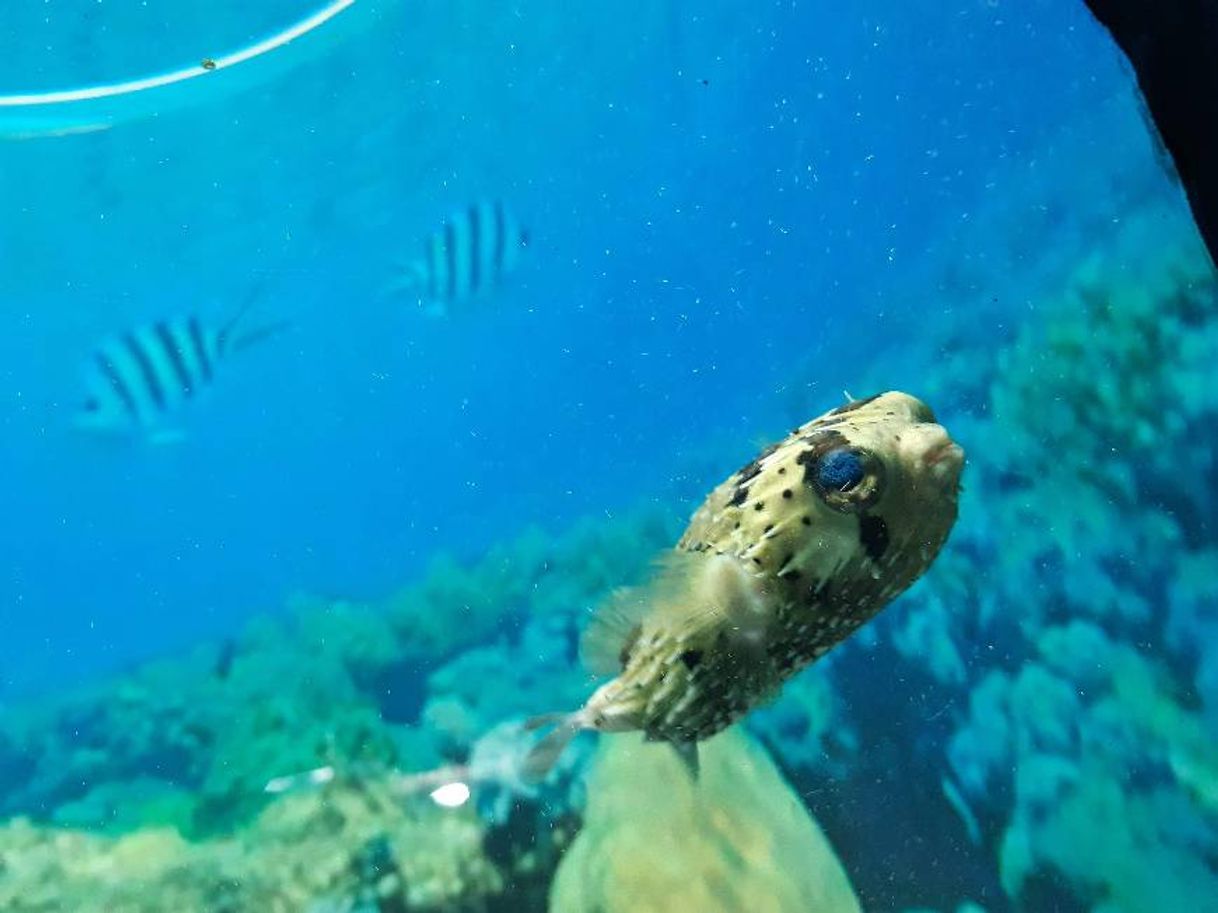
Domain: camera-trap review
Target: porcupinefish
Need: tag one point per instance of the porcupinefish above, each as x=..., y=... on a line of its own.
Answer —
x=474, y=250
x=782, y=562
x=135, y=381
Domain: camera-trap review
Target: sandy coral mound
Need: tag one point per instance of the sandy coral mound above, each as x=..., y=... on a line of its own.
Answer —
x=738, y=841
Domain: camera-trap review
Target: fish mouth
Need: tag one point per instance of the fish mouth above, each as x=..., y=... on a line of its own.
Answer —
x=944, y=460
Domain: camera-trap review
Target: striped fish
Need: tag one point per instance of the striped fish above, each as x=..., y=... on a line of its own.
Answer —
x=135, y=381
x=476, y=248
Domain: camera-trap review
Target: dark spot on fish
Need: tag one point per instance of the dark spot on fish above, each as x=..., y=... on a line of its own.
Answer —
x=207, y=63
x=760, y=505
x=790, y=573
x=806, y=521
x=873, y=535
x=739, y=496
x=855, y=404
x=632, y=638
x=691, y=658
x=786, y=494
x=752, y=468
x=768, y=529
x=757, y=561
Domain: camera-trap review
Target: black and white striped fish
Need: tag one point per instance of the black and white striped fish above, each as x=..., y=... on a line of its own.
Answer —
x=475, y=249
x=134, y=382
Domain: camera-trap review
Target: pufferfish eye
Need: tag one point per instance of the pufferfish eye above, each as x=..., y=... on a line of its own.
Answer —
x=848, y=479
x=840, y=470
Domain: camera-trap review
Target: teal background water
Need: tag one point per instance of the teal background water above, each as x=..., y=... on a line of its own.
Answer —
x=693, y=244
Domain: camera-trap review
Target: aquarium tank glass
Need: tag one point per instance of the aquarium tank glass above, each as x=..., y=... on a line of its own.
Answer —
x=634, y=457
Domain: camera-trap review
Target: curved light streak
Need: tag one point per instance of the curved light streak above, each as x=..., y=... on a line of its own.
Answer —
x=46, y=102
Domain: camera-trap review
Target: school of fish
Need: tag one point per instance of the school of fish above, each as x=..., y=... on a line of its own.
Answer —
x=137, y=382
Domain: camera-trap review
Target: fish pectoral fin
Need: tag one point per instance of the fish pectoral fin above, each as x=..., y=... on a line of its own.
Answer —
x=613, y=629
x=688, y=592
x=545, y=754
x=688, y=753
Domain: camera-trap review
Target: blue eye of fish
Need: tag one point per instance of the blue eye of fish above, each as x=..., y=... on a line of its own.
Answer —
x=840, y=470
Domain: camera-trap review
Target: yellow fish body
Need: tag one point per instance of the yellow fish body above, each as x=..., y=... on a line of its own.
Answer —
x=783, y=561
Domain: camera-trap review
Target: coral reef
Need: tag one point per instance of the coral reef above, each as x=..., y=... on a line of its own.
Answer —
x=736, y=841
x=386, y=686
x=1032, y=727
x=345, y=847
x=1056, y=703
x=171, y=762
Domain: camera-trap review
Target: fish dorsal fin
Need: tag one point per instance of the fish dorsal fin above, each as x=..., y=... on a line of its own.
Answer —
x=688, y=591
x=612, y=630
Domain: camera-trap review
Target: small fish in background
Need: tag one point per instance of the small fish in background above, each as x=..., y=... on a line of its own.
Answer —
x=471, y=254
x=135, y=382
x=782, y=562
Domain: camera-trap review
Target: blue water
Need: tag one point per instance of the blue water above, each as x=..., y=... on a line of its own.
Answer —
x=714, y=197
x=737, y=214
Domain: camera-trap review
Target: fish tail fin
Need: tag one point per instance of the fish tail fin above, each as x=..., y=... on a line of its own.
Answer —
x=224, y=339
x=258, y=334
x=410, y=280
x=543, y=756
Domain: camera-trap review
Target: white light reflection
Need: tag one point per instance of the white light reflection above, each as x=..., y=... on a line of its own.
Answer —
x=451, y=795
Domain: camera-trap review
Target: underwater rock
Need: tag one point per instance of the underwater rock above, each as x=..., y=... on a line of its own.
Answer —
x=738, y=841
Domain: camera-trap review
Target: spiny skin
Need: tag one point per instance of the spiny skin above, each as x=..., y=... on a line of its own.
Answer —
x=791, y=568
